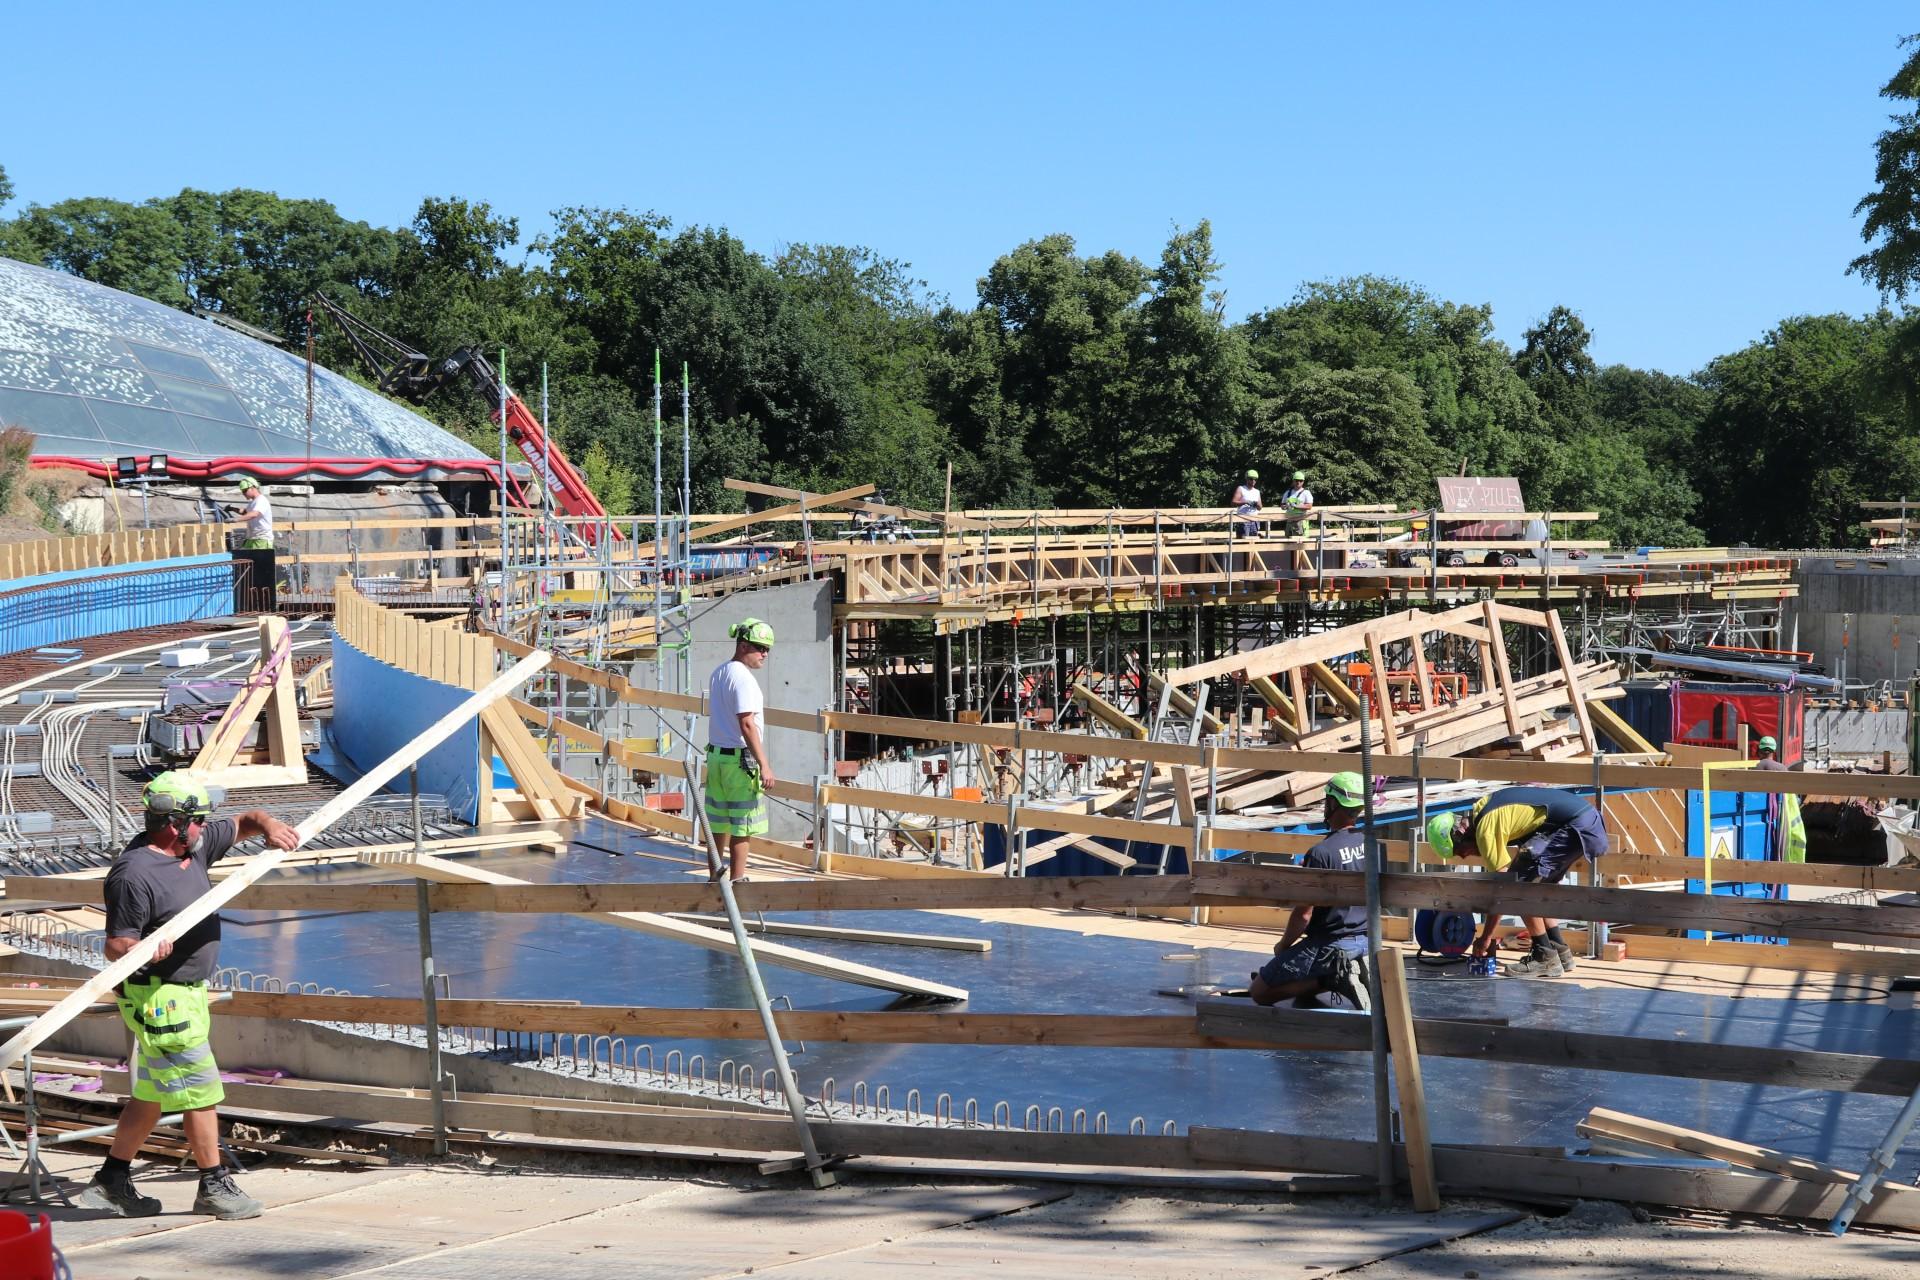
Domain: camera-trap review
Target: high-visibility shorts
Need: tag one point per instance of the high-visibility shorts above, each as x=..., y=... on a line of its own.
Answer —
x=257, y=544
x=172, y=1060
x=735, y=804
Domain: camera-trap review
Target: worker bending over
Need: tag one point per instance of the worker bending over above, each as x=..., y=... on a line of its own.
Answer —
x=1320, y=961
x=738, y=772
x=1538, y=833
x=164, y=1003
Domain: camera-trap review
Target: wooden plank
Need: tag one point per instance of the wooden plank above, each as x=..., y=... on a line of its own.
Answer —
x=1382, y=696
x=1497, y=646
x=1581, y=1050
x=1761, y=955
x=1880, y=879
x=1142, y=1031
x=1108, y=714
x=808, y=505
x=1496, y=1171
x=430, y=868
x=1404, y=1043
x=208, y=903
x=1608, y=721
x=1324, y=676
x=951, y=890
x=1601, y=1122
x=1574, y=692
x=1818, y=921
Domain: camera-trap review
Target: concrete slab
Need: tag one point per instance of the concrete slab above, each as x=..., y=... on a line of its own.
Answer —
x=697, y=1231
x=1111, y=1236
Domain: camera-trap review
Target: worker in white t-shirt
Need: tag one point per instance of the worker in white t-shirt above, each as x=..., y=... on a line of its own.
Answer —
x=258, y=515
x=1246, y=502
x=1297, y=500
x=738, y=771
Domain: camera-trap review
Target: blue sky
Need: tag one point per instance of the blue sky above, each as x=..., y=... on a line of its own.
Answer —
x=1683, y=175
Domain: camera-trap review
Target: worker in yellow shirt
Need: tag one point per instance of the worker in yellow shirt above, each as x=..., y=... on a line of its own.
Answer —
x=1538, y=833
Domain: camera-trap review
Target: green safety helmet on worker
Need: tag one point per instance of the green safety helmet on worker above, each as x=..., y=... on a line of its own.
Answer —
x=176, y=794
x=1767, y=743
x=246, y=482
x=752, y=631
x=1348, y=790
x=1299, y=475
x=1440, y=833
x=1252, y=474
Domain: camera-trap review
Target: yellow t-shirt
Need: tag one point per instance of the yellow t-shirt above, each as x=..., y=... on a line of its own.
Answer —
x=1495, y=831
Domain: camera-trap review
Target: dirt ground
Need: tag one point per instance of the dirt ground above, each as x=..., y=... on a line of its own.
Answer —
x=478, y=1219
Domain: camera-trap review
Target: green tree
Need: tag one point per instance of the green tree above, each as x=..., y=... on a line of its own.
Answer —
x=1891, y=226
x=6, y=187
x=1804, y=425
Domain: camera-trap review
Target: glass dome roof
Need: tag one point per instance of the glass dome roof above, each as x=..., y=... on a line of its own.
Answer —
x=96, y=373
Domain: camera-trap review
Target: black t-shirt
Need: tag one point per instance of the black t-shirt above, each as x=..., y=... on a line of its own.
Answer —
x=146, y=888
x=1341, y=851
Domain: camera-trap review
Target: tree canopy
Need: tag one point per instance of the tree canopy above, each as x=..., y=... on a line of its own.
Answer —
x=1075, y=376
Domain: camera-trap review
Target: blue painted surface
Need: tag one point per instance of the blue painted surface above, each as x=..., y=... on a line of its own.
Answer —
x=51, y=608
x=1742, y=816
x=378, y=709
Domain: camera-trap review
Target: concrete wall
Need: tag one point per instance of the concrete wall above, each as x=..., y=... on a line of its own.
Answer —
x=1868, y=602
x=798, y=677
x=1843, y=732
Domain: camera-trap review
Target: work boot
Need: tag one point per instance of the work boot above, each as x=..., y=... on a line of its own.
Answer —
x=116, y=1195
x=1564, y=953
x=222, y=1197
x=1536, y=964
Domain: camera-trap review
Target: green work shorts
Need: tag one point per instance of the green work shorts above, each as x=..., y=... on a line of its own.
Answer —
x=257, y=544
x=735, y=805
x=172, y=1060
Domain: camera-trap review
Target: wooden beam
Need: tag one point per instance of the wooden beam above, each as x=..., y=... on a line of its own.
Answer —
x=1407, y=1080
x=1609, y=722
x=1324, y=676
x=1382, y=697
x=1602, y=1123
x=207, y=903
x=1575, y=694
x=1139, y=1031
x=1497, y=644
x=808, y=505
x=1214, y=883
x=1579, y=1050
x=1745, y=871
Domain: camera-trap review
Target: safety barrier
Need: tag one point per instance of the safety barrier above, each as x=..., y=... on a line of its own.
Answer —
x=64, y=606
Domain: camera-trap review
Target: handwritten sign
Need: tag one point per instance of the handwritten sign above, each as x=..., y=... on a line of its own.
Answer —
x=1482, y=494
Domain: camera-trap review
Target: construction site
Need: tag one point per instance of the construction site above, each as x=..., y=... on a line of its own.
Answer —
x=1038, y=786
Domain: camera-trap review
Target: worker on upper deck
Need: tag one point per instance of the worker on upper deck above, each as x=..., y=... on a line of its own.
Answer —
x=1246, y=502
x=1297, y=501
x=1538, y=833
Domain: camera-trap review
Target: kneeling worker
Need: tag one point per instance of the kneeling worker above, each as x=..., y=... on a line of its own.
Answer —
x=165, y=1003
x=738, y=773
x=1553, y=829
x=1320, y=960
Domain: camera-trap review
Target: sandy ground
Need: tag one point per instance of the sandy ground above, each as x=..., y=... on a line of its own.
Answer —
x=595, y=1219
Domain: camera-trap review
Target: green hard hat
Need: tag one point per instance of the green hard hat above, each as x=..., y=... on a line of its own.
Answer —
x=753, y=631
x=1299, y=475
x=176, y=792
x=246, y=482
x=1348, y=790
x=1252, y=474
x=1440, y=834
x=1768, y=744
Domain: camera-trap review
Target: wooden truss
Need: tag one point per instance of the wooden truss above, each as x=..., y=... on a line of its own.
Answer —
x=268, y=696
